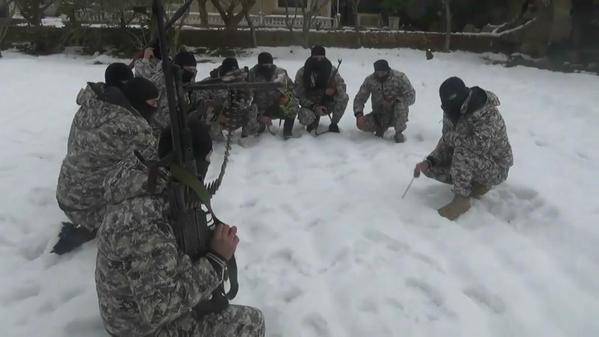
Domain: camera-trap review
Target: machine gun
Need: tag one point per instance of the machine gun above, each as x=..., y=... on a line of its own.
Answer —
x=193, y=219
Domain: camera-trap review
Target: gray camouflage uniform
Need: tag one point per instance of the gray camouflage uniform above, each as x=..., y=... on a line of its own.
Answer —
x=309, y=98
x=151, y=70
x=145, y=285
x=475, y=149
x=266, y=99
x=391, y=99
x=223, y=100
x=103, y=132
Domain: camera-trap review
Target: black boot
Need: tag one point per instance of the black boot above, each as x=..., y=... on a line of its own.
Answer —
x=71, y=237
x=261, y=129
x=288, y=128
x=313, y=126
x=334, y=128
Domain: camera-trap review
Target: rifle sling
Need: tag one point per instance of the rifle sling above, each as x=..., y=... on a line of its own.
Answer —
x=194, y=184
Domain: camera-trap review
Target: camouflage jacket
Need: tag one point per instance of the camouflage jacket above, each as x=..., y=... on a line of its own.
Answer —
x=396, y=87
x=152, y=71
x=103, y=132
x=221, y=100
x=267, y=100
x=143, y=282
x=308, y=98
x=480, y=128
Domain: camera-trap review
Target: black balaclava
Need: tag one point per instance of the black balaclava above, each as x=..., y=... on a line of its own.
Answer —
x=317, y=50
x=453, y=93
x=186, y=59
x=201, y=145
x=265, y=65
x=117, y=74
x=380, y=66
x=317, y=72
x=138, y=91
x=229, y=64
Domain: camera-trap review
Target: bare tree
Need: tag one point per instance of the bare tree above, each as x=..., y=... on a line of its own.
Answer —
x=250, y=22
x=290, y=22
x=179, y=28
x=394, y=7
x=233, y=11
x=355, y=4
x=7, y=10
x=203, y=12
x=309, y=12
x=447, y=5
x=33, y=10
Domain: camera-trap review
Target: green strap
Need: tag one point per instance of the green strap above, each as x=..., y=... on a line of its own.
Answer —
x=192, y=182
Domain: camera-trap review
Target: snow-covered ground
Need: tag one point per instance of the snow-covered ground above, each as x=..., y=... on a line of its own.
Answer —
x=328, y=246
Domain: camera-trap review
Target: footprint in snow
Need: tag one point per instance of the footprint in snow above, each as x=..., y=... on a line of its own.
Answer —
x=485, y=299
x=42, y=196
x=292, y=294
x=401, y=247
x=24, y=292
x=519, y=205
x=369, y=306
x=70, y=293
x=433, y=296
x=317, y=324
x=33, y=250
x=90, y=326
x=390, y=243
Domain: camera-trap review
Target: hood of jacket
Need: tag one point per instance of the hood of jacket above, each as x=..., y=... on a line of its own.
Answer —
x=99, y=104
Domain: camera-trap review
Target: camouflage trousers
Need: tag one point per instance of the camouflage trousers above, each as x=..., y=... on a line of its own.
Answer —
x=90, y=219
x=308, y=116
x=465, y=167
x=381, y=121
x=235, y=321
x=249, y=124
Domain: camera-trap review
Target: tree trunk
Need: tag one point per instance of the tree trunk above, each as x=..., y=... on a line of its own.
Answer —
x=447, y=4
x=6, y=13
x=306, y=29
x=178, y=30
x=252, y=30
x=203, y=12
x=355, y=6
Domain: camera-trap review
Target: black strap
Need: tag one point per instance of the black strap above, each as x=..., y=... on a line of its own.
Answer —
x=233, y=280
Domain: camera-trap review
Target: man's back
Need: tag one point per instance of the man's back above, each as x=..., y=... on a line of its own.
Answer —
x=142, y=280
x=103, y=131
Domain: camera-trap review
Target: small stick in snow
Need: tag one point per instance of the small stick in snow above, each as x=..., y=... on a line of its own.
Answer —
x=408, y=188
